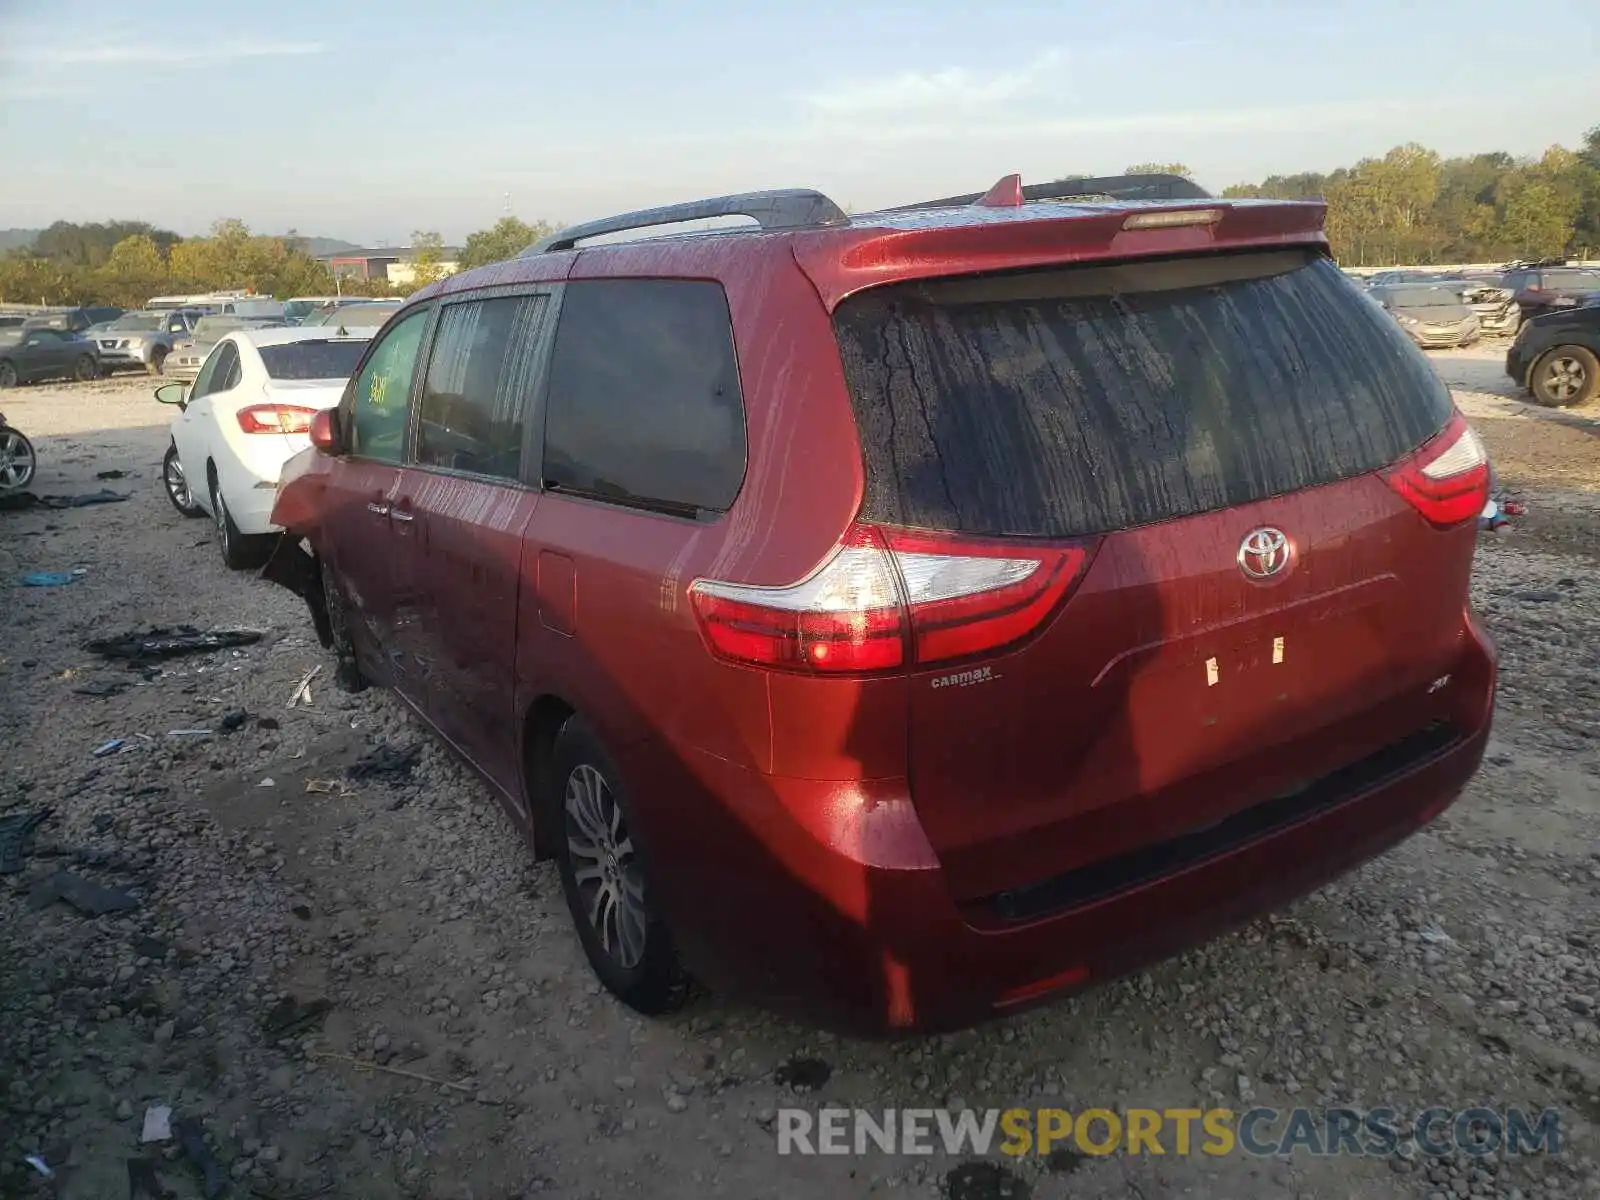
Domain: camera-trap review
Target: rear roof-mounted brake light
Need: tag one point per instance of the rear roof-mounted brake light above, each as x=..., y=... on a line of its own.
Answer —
x=891, y=598
x=1168, y=219
x=1447, y=479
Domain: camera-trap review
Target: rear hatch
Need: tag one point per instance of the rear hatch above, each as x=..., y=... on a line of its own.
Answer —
x=1257, y=604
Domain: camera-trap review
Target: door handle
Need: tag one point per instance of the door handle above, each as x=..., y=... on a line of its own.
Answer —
x=381, y=510
x=400, y=514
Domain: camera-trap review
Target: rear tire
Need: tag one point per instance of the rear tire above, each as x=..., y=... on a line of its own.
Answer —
x=622, y=932
x=86, y=369
x=176, y=484
x=1564, y=377
x=240, y=552
x=347, y=673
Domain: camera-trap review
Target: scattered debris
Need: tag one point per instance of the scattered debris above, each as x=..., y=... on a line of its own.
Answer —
x=110, y=747
x=47, y=579
x=803, y=1074
x=103, y=688
x=267, y=723
x=157, y=1124
x=232, y=721
x=159, y=643
x=386, y=763
x=88, y=897
x=366, y=1065
x=329, y=787
x=16, y=838
x=143, y=1180
x=269, y=781
x=979, y=1180
x=192, y=1140
x=290, y=1016
x=17, y=501
x=189, y=732
x=39, y=1165
x=111, y=474
x=302, y=690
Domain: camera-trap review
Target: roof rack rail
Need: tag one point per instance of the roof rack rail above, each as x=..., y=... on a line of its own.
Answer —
x=788, y=208
x=1118, y=187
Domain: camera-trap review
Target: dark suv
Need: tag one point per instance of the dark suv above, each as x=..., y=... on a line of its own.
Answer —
x=1544, y=288
x=904, y=617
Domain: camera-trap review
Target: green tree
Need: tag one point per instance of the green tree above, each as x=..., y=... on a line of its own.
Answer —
x=1159, y=169
x=506, y=238
x=427, y=258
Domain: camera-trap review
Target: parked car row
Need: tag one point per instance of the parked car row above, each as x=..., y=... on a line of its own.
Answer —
x=1501, y=300
x=887, y=495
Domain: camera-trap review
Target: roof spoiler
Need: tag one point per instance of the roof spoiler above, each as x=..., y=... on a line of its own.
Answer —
x=1113, y=187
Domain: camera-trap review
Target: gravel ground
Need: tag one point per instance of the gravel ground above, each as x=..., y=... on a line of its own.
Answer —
x=371, y=992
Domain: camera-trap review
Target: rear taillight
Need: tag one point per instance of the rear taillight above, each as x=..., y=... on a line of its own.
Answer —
x=276, y=418
x=1447, y=480
x=888, y=598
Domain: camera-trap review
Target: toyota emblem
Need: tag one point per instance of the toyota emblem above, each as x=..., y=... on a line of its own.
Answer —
x=1264, y=553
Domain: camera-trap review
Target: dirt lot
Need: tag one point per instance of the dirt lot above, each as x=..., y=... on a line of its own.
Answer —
x=1461, y=969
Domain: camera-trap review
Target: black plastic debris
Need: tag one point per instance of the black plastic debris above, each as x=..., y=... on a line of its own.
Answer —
x=267, y=723
x=16, y=838
x=110, y=474
x=88, y=897
x=233, y=721
x=103, y=688
x=290, y=1016
x=144, y=1183
x=192, y=1141
x=17, y=501
x=386, y=763
x=803, y=1074
x=160, y=643
x=978, y=1180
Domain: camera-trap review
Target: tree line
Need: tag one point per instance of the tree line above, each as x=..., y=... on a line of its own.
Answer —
x=127, y=262
x=1409, y=206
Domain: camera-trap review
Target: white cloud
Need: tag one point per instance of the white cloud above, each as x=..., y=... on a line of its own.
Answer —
x=173, y=54
x=1191, y=122
x=953, y=87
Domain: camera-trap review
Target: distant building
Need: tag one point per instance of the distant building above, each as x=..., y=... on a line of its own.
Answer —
x=381, y=263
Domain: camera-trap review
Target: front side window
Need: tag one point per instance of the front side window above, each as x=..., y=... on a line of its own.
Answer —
x=644, y=400
x=378, y=403
x=480, y=384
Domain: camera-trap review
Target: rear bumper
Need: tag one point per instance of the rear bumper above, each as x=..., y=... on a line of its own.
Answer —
x=824, y=900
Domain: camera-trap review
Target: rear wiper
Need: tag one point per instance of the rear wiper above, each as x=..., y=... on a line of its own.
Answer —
x=668, y=508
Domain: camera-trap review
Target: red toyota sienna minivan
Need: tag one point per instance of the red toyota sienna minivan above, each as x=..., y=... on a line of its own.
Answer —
x=903, y=618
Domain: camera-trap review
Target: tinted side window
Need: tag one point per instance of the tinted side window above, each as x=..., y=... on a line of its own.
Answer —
x=644, y=394
x=378, y=403
x=480, y=381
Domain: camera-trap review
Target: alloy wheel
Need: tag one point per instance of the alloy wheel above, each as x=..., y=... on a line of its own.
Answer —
x=605, y=867
x=219, y=514
x=1565, y=379
x=177, y=483
x=16, y=460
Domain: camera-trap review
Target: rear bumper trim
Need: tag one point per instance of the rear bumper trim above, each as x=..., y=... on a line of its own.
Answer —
x=1108, y=877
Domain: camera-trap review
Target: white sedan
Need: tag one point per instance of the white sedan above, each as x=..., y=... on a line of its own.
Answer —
x=247, y=413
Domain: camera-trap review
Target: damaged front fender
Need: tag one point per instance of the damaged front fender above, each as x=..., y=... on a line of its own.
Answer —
x=296, y=566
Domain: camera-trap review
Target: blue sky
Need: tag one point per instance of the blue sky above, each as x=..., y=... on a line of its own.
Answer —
x=366, y=121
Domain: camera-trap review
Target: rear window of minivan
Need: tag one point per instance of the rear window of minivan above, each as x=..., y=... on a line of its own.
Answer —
x=1080, y=400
